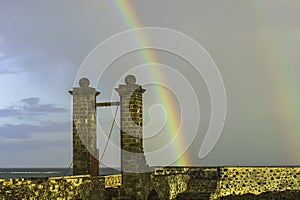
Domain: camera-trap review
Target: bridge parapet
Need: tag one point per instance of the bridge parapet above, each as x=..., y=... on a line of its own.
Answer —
x=113, y=181
x=257, y=180
x=170, y=170
x=185, y=182
x=193, y=172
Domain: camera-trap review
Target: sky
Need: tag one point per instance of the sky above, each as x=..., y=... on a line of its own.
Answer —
x=254, y=45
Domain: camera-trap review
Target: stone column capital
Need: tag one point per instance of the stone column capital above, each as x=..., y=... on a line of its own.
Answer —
x=84, y=89
x=130, y=87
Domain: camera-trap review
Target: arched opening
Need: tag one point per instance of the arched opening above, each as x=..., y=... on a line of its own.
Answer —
x=153, y=195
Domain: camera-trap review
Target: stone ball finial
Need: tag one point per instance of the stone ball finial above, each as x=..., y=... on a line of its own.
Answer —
x=130, y=79
x=84, y=82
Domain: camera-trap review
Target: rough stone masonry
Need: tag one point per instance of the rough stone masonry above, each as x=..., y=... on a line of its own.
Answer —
x=85, y=151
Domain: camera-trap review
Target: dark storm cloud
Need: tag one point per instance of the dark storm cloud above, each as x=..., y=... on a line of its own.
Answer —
x=24, y=130
x=30, y=106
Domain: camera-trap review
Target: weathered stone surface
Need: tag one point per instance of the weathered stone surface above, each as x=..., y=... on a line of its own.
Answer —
x=285, y=195
x=257, y=180
x=85, y=151
x=133, y=162
x=163, y=183
x=74, y=187
x=185, y=182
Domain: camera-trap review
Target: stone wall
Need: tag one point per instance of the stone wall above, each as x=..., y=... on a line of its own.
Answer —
x=164, y=183
x=72, y=187
x=185, y=182
x=285, y=195
x=257, y=180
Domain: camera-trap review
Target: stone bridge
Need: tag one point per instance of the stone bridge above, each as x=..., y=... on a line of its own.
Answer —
x=164, y=183
x=137, y=180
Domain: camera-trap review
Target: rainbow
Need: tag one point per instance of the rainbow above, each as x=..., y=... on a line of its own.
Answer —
x=284, y=99
x=129, y=17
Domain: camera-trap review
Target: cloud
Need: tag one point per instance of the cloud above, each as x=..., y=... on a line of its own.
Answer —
x=24, y=131
x=8, y=65
x=32, y=107
x=11, y=63
x=7, y=112
x=27, y=137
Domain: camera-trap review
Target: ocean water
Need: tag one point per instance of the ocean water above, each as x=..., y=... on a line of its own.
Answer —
x=45, y=172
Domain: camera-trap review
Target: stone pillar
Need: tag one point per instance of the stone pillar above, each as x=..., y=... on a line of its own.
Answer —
x=133, y=161
x=132, y=155
x=85, y=152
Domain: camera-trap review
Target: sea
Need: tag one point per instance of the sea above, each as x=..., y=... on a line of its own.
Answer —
x=6, y=173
